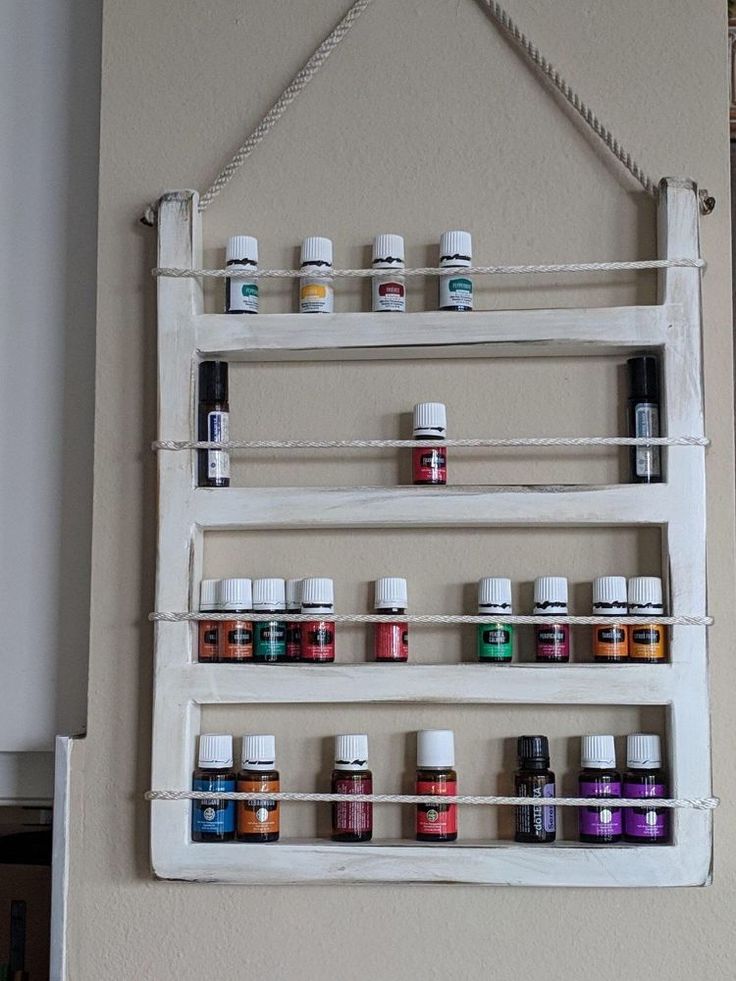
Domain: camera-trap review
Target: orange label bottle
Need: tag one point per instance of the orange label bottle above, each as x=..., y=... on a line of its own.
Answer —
x=610, y=639
x=258, y=819
x=648, y=641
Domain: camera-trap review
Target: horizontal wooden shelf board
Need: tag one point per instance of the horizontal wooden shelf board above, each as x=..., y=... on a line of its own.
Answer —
x=498, y=862
x=405, y=506
x=435, y=334
x=581, y=684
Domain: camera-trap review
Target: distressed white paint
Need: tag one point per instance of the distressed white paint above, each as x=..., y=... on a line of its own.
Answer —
x=436, y=334
x=58, y=967
x=186, y=512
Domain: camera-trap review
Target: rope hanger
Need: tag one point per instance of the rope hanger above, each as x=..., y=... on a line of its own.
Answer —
x=508, y=27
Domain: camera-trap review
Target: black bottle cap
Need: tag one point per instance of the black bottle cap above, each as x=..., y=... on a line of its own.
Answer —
x=213, y=385
x=643, y=378
x=532, y=749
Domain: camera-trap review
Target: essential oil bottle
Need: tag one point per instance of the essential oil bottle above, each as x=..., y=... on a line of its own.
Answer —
x=213, y=424
x=352, y=821
x=208, y=631
x=258, y=820
x=318, y=635
x=553, y=639
x=269, y=596
x=436, y=776
x=643, y=412
x=535, y=824
x=610, y=640
x=214, y=819
x=645, y=777
x=648, y=641
x=391, y=640
x=241, y=295
x=388, y=292
x=456, y=289
x=429, y=465
x=293, y=630
x=495, y=639
x=316, y=294
x=234, y=596
x=599, y=778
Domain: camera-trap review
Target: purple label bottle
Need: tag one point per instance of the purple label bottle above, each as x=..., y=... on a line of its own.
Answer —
x=645, y=778
x=599, y=778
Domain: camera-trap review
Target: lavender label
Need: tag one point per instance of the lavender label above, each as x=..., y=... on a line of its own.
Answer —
x=536, y=820
x=646, y=822
x=600, y=822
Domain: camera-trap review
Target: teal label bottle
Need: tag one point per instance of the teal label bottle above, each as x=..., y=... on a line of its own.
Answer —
x=495, y=639
x=269, y=636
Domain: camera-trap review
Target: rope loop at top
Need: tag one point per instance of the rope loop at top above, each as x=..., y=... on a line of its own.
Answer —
x=510, y=29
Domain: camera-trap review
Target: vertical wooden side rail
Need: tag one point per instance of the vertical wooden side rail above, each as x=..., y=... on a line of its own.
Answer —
x=689, y=728
x=175, y=716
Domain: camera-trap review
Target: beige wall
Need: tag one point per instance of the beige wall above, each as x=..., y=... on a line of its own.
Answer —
x=424, y=120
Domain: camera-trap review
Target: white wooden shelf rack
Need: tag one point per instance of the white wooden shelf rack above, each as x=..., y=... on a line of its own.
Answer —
x=671, y=328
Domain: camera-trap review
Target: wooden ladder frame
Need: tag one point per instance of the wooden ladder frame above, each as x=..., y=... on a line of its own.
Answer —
x=672, y=328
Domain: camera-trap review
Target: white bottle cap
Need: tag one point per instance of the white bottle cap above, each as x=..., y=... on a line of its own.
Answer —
x=598, y=752
x=494, y=596
x=235, y=594
x=388, y=249
x=318, y=595
x=269, y=594
x=240, y=247
x=430, y=419
x=351, y=752
x=550, y=595
x=208, y=595
x=609, y=595
x=293, y=595
x=317, y=250
x=454, y=244
x=643, y=751
x=645, y=596
x=391, y=594
x=259, y=752
x=435, y=747
x=215, y=751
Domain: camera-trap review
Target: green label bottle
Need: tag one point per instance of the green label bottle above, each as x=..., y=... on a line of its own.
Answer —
x=495, y=639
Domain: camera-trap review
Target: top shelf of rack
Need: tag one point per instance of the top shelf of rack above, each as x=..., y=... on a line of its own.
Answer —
x=490, y=333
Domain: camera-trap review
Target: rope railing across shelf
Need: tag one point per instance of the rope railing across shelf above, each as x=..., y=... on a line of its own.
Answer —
x=692, y=803
x=240, y=272
x=406, y=444
x=427, y=618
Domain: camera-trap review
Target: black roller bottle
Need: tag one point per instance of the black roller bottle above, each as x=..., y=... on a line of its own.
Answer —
x=213, y=424
x=643, y=413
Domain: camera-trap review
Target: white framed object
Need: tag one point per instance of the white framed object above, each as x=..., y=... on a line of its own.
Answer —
x=672, y=328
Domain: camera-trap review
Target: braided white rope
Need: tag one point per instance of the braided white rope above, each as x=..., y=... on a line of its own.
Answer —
x=378, y=444
x=172, y=272
x=513, y=31
x=427, y=618
x=695, y=803
x=502, y=19
x=298, y=83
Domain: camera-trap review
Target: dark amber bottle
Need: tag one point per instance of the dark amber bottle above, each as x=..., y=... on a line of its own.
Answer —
x=536, y=824
x=599, y=778
x=213, y=819
x=258, y=820
x=436, y=777
x=352, y=821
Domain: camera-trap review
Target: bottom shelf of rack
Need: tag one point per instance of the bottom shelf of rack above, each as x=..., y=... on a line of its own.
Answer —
x=564, y=863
